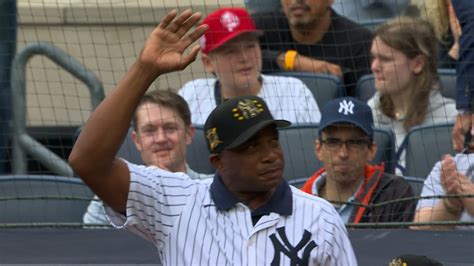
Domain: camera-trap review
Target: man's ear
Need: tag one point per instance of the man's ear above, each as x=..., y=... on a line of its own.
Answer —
x=207, y=62
x=137, y=141
x=317, y=149
x=215, y=160
x=372, y=151
x=190, y=130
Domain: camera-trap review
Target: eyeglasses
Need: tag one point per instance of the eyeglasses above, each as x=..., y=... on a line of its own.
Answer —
x=353, y=144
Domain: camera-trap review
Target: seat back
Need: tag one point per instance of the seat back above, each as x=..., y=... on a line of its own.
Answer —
x=365, y=88
x=297, y=143
x=448, y=82
x=197, y=153
x=416, y=184
x=324, y=87
x=128, y=150
x=386, y=149
x=425, y=145
x=299, y=151
x=43, y=199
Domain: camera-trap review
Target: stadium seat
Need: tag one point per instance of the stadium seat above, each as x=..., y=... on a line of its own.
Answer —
x=300, y=160
x=25, y=199
x=416, y=184
x=448, y=82
x=197, y=154
x=297, y=143
x=324, y=87
x=365, y=87
x=425, y=145
x=128, y=151
x=298, y=183
x=385, y=139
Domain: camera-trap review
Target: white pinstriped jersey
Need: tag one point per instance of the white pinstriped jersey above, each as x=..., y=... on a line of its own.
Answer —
x=179, y=216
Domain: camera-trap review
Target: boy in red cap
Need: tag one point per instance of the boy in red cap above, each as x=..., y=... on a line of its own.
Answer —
x=231, y=52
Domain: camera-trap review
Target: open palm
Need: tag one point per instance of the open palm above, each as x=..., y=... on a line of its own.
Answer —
x=165, y=48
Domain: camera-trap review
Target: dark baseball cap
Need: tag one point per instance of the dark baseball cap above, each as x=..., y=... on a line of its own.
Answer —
x=235, y=121
x=348, y=110
x=415, y=260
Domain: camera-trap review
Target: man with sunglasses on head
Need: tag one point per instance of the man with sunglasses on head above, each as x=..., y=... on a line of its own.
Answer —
x=355, y=188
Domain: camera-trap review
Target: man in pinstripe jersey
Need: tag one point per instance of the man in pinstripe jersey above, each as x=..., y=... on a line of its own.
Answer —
x=246, y=215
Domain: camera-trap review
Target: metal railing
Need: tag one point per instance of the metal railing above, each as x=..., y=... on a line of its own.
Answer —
x=23, y=143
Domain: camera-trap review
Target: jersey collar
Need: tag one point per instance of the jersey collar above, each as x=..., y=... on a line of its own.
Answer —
x=281, y=202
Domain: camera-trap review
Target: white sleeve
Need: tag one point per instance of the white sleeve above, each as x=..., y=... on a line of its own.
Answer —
x=155, y=201
x=308, y=107
x=431, y=187
x=95, y=213
x=342, y=252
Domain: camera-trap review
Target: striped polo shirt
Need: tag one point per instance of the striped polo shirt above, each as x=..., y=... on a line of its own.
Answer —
x=199, y=222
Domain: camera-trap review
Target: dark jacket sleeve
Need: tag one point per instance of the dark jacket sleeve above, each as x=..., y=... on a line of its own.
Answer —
x=391, y=188
x=465, y=68
x=272, y=41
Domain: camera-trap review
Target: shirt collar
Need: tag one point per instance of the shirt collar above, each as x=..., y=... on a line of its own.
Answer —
x=281, y=201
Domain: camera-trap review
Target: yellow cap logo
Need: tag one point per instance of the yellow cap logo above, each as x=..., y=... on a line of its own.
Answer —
x=213, y=138
x=247, y=109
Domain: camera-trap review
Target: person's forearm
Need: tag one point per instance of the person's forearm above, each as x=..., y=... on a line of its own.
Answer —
x=468, y=203
x=436, y=214
x=107, y=126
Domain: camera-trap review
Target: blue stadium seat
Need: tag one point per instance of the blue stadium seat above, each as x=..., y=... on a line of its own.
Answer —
x=299, y=182
x=416, y=184
x=365, y=87
x=448, y=82
x=42, y=199
x=300, y=160
x=425, y=145
x=197, y=154
x=128, y=151
x=324, y=87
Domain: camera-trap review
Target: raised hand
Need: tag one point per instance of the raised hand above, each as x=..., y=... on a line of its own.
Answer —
x=165, y=48
x=464, y=123
x=452, y=182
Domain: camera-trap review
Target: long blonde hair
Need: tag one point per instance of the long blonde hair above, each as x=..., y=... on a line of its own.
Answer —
x=435, y=12
x=412, y=37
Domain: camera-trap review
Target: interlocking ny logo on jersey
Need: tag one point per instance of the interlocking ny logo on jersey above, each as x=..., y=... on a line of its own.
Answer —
x=284, y=246
x=346, y=107
x=230, y=21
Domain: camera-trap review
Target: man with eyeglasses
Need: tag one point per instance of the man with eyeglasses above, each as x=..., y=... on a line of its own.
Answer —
x=360, y=192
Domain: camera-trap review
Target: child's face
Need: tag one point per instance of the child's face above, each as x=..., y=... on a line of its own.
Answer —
x=237, y=64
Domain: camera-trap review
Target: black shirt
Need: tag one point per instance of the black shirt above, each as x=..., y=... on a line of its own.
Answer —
x=346, y=44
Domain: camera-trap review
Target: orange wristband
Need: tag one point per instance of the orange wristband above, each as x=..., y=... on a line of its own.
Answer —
x=290, y=57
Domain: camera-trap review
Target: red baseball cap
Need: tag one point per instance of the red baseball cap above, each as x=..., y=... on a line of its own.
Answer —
x=224, y=25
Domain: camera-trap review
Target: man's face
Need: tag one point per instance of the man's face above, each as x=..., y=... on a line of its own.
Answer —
x=161, y=137
x=237, y=63
x=303, y=13
x=344, y=162
x=255, y=166
x=393, y=70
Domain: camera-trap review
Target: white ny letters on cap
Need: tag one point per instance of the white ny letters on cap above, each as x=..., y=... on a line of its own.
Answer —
x=346, y=107
x=230, y=21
